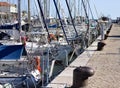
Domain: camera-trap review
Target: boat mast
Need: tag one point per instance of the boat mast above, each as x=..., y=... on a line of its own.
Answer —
x=78, y=8
x=29, y=15
x=58, y=4
x=19, y=14
x=74, y=9
x=69, y=2
x=45, y=9
x=48, y=8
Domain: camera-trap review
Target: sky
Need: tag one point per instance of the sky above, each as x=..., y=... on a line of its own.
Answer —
x=108, y=7
x=103, y=7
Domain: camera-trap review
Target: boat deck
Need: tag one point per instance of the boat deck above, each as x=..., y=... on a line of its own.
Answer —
x=106, y=64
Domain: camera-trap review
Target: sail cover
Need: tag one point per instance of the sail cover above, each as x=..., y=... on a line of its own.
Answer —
x=11, y=52
x=9, y=26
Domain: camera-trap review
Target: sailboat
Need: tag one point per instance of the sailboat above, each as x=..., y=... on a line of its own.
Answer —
x=17, y=69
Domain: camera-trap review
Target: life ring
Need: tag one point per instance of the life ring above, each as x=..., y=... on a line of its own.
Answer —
x=52, y=37
x=37, y=63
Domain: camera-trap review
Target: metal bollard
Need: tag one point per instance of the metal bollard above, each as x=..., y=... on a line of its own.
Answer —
x=108, y=31
x=80, y=76
x=106, y=35
x=100, y=45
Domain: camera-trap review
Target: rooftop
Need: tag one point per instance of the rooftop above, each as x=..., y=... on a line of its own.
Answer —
x=4, y=4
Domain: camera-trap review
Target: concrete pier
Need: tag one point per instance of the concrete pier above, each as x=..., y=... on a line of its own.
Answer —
x=106, y=64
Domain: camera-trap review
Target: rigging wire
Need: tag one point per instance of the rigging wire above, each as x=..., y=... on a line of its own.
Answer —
x=95, y=9
x=43, y=18
x=90, y=9
x=71, y=18
x=65, y=20
x=40, y=19
x=86, y=17
x=55, y=4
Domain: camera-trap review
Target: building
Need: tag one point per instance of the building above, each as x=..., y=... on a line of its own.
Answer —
x=7, y=11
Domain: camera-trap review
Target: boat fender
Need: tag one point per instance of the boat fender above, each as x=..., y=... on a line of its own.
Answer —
x=37, y=71
x=7, y=85
x=36, y=74
x=52, y=37
x=1, y=86
x=37, y=63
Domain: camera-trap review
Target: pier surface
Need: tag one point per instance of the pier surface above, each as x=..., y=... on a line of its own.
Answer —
x=106, y=64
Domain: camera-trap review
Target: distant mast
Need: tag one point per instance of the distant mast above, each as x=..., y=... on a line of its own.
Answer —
x=74, y=9
x=46, y=8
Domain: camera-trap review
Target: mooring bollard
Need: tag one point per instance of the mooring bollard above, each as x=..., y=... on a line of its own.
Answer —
x=106, y=35
x=108, y=31
x=100, y=45
x=81, y=75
